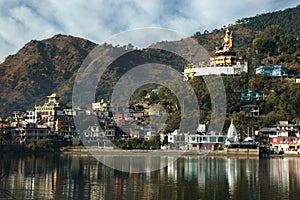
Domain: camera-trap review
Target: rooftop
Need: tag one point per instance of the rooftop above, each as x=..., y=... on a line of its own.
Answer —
x=53, y=95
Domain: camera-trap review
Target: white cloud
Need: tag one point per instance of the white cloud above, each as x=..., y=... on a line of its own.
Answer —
x=97, y=20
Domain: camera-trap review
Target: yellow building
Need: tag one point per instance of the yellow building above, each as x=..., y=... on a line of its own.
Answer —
x=47, y=113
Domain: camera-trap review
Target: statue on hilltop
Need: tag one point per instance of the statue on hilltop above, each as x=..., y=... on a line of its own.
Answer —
x=227, y=44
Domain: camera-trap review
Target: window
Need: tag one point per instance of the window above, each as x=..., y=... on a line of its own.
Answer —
x=213, y=139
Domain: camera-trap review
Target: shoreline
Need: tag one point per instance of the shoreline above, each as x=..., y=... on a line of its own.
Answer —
x=140, y=152
x=96, y=151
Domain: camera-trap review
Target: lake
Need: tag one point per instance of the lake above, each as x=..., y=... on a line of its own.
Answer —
x=83, y=177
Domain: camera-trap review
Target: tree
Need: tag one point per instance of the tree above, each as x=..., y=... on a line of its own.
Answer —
x=154, y=142
x=154, y=98
x=272, y=31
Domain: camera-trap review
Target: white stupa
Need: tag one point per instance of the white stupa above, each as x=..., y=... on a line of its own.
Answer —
x=232, y=134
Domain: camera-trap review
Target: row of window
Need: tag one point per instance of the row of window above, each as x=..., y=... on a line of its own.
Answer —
x=34, y=137
x=208, y=139
x=95, y=134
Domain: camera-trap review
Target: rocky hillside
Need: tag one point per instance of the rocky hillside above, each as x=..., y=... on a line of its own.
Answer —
x=51, y=65
x=40, y=68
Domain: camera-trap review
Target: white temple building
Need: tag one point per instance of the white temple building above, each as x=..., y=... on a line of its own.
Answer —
x=232, y=133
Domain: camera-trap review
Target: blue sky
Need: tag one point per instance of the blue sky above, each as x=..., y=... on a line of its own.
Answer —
x=97, y=20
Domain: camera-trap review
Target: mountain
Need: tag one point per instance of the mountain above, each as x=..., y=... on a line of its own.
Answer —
x=40, y=68
x=43, y=67
x=50, y=65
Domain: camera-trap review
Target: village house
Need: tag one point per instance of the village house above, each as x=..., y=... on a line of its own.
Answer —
x=94, y=136
x=282, y=136
x=250, y=110
x=177, y=140
x=274, y=70
x=205, y=142
x=32, y=134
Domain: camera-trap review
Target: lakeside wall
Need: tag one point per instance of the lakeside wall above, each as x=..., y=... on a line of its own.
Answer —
x=13, y=148
x=81, y=150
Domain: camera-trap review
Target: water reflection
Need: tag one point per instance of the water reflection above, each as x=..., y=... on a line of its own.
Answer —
x=83, y=177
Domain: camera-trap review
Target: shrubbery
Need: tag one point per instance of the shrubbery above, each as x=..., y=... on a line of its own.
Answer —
x=44, y=145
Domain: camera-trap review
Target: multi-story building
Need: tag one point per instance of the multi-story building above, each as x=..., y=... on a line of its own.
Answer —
x=30, y=116
x=177, y=140
x=95, y=136
x=47, y=113
x=274, y=70
x=75, y=111
x=250, y=110
x=205, y=142
x=282, y=136
x=101, y=106
x=26, y=135
x=65, y=129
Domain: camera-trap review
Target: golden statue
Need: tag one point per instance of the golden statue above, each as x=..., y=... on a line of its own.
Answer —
x=227, y=43
x=224, y=54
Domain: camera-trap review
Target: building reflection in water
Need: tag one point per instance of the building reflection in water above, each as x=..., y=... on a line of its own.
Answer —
x=83, y=177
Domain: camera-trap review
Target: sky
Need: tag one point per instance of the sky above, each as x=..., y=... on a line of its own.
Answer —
x=98, y=20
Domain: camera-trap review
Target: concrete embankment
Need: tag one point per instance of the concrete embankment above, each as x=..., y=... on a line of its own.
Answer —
x=13, y=148
x=217, y=153
x=81, y=150
x=178, y=153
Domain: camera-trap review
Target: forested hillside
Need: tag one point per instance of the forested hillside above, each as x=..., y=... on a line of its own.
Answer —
x=267, y=39
x=288, y=20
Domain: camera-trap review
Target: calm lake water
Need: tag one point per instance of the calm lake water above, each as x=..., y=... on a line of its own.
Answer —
x=83, y=177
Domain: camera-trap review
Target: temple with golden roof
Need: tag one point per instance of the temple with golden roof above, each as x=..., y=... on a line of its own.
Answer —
x=224, y=62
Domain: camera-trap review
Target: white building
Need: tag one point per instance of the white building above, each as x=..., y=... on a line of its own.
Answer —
x=28, y=135
x=30, y=116
x=231, y=133
x=101, y=106
x=177, y=140
x=75, y=111
x=205, y=142
x=95, y=136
